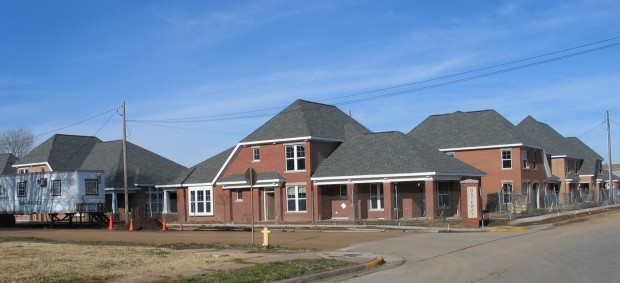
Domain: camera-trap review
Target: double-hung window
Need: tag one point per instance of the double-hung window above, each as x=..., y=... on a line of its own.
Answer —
x=507, y=193
x=506, y=159
x=525, y=160
x=255, y=154
x=376, y=196
x=296, y=198
x=200, y=201
x=443, y=194
x=295, y=157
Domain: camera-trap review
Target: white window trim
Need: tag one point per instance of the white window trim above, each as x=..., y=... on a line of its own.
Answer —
x=208, y=192
x=511, y=192
x=254, y=149
x=502, y=158
x=379, y=196
x=295, y=157
x=237, y=193
x=297, y=199
x=525, y=162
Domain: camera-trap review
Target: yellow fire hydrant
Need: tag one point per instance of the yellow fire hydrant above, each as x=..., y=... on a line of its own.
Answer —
x=266, y=233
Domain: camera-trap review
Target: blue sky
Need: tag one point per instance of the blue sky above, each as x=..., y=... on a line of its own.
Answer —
x=198, y=76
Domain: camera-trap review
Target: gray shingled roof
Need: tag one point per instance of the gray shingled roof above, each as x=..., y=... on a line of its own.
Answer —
x=469, y=129
x=605, y=176
x=143, y=167
x=590, y=156
x=62, y=152
x=205, y=171
x=389, y=153
x=6, y=162
x=304, y=119
x=552, y=141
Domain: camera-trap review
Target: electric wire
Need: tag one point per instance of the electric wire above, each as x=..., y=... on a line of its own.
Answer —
x=105, y=123
x=76, y=123
x=232, y=116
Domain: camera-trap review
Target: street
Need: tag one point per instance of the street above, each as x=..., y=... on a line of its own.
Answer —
x=578, y=252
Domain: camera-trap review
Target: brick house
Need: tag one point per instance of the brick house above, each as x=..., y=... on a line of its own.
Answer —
x=590, y=190
x=565, y=157
x=313, y=162
x=514, y=163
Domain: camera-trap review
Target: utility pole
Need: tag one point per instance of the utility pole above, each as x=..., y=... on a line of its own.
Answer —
x=611, y=181
x=125, y=164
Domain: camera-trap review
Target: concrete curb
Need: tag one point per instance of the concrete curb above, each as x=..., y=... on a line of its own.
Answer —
x=375, y=262
x=507, y=229
x=336, y=272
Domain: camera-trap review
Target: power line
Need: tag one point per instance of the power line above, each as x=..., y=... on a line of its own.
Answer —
x=232, y=116
x=105, y=123
x=529, y=65
x=68, y=126
x=183, y=128
x=476, y=70
x=76, y=123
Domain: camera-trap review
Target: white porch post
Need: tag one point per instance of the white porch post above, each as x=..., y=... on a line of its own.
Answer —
x=114, y=204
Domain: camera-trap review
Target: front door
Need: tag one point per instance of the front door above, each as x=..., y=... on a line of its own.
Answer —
x=270, y=205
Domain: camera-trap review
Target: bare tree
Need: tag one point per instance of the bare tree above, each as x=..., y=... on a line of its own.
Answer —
x=18, y=142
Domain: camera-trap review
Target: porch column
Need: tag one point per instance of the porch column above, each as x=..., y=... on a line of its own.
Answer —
x=430, y=188
x=470, y=203
x=351, y=192
x=114, y=205
x=316, y=203
x=388, y=200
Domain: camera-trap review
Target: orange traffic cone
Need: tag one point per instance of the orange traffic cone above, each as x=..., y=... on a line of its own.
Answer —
x=131, y=224
x=111, y=224
x=163, y=225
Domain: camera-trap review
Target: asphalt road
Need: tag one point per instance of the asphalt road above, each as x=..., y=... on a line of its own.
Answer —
x=587, y=251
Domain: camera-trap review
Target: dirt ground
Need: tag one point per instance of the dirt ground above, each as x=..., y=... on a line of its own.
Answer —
x=100, y=255
x=300, y=239
x=97, y=255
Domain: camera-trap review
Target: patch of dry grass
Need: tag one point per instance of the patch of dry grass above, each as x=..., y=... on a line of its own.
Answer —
x=24, y=261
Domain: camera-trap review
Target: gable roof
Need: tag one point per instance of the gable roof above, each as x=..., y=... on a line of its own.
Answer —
x=143, y=166
x=6, y=162
x=204, y=172
x=588, y=167
x=469, y=129
x=390, y=153
x=552, y=141
x=307, y=119
x=61, y=152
